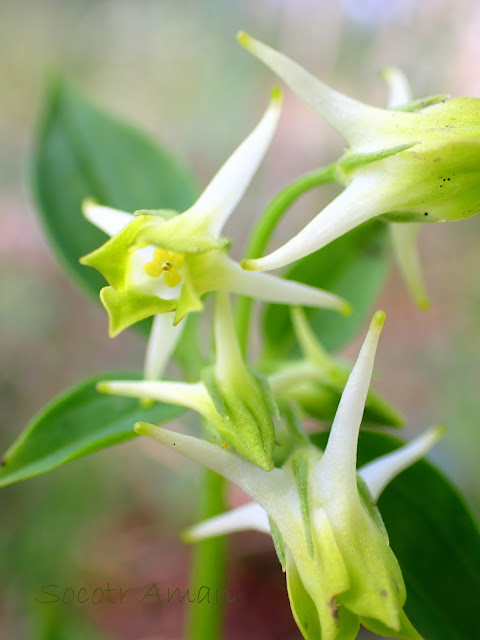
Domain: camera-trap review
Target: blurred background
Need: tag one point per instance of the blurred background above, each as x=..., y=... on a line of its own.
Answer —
x=175, y=70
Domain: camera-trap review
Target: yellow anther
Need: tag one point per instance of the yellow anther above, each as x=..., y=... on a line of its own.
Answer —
x=153, y=269
x=172, y=277
x=165, y=262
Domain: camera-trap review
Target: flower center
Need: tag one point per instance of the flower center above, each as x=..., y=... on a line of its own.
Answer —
x=166, y=263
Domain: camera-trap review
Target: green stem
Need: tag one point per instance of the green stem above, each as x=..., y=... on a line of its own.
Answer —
x=208, y=557
x=208, y=570
x=262, y=233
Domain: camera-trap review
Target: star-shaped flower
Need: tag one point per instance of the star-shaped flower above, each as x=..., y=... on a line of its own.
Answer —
x=322, y=515
x=158, y=262
x=418, y=162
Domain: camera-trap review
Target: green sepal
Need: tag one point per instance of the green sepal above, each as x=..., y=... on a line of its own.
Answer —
x=207, y=375
x=124, y=309
x=112, y=258
x=377, y=589
x=163, y=214
x=371, y=506
x=303, y=608
x=352, y=161
x=421, y=103
x=171, y=236
x=266, y=391
x=248, y=429
x=299, y=463
x=278, y=543
x=189, y=300
x=405, y=632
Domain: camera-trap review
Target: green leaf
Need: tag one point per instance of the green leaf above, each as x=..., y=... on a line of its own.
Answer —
x=76, y=423
x=83, y=152
x=355, y=267
x=435, y=540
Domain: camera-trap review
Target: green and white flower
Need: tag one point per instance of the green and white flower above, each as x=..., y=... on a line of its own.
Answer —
x=164, y=335
x=322, y=515
x=159, y=262
x=418, y=162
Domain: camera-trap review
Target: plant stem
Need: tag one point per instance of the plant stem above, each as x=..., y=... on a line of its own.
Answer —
x=264, y=229
x=208, y=567
x=208, y=557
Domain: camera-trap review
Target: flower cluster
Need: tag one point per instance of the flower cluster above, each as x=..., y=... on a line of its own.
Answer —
x=415, y=162
x=322, y=516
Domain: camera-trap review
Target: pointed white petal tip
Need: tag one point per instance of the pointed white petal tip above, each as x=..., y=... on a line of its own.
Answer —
x=250, y=264
x=110, y=221
x=399, y=87
x=392, y=74
x=380, y=472
x=423, y=303
x=87, y=204
x=250, y=516
x=245, y=40
x=339, y=304
x=378, y=321
x=103, y=387
x=145, y=429
x=345, y=308
x=276, y=97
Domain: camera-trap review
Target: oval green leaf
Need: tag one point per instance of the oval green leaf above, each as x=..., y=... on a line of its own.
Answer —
x=78, y=422
x=83, y=152
x=435, y=540
x=355, y=267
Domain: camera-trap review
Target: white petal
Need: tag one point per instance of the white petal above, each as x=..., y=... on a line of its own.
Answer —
x=379, y=473
x=273, y=490
x=338, y=464
x=268, y=288
x=399, y=88
x=359, y=202
x=109, y=220
x=192, y=396
x=357, y=122
x=228, y=186
x=163, y=339
x=404, y=235
x=228, y=354
x=247, y=517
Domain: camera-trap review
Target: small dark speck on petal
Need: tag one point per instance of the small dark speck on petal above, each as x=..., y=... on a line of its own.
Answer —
x=334, y=607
